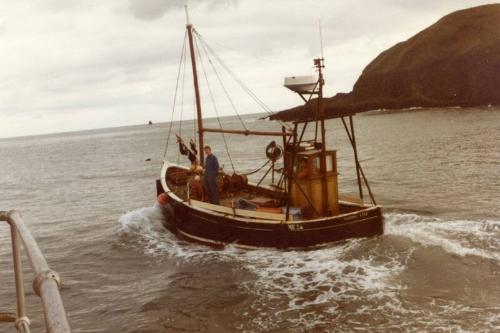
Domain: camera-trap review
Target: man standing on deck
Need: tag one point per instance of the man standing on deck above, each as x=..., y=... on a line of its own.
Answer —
x=211, y=171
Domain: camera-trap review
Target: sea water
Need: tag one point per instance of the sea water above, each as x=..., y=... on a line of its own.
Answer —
x=89, y=199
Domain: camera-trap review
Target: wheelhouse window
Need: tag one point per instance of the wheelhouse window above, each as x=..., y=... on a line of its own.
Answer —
x=329, y=163
x=303, y=170
x=316, y=161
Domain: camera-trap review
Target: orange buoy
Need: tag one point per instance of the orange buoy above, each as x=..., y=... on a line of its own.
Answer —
x=162, y=198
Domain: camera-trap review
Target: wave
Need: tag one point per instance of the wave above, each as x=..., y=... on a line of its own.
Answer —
x=310, y=289
x=459, y=237
x=312, y=286
x=302, y=280
x=143, y=227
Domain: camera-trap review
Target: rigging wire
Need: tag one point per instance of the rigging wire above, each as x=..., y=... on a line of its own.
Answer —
x=195, y=116
x=183, y=51
x=230, y=72
x=222, y=85
x=242, y=85
x=213, y=103
x=182, y=103
x=182, y=93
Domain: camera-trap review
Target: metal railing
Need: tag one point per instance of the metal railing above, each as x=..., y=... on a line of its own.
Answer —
x=46, y=282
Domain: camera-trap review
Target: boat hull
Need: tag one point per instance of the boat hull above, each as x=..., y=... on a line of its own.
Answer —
x=214, y=228
x=218, y=230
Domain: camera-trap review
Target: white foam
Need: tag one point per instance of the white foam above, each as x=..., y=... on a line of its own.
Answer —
x=313, y=283
x=303, y=280
x=310, y=289
x=494, y=320
x=143, y=226
x=460, y=237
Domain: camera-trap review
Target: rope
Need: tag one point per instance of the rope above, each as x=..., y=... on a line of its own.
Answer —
x=213, y=103
x=175, y=94
x=255, y=171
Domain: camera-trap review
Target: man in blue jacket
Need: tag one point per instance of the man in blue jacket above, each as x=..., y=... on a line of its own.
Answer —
x=211, y=171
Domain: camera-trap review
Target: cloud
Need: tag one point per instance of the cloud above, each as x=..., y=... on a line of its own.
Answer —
x=116, y=61
x=154, y=9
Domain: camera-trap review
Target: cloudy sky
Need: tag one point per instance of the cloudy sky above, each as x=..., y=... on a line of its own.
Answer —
x=69, y=65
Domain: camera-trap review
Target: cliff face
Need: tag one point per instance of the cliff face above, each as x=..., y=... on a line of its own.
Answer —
x=454, y=62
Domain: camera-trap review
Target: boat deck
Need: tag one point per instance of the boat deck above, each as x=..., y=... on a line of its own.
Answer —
x=260, y=199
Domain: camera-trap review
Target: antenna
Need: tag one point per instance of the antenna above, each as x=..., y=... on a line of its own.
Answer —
x=187, y=14
x=321, y=38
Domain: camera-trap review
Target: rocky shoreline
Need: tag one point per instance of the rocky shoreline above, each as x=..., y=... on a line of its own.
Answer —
x=454, y=62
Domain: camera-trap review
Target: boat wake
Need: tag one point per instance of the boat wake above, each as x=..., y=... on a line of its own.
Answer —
x=342, y=283
x=142, y=227
x=459, y=237
x=312, y=288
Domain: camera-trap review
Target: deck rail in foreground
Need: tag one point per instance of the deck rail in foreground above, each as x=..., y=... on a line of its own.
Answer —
x=46, y=282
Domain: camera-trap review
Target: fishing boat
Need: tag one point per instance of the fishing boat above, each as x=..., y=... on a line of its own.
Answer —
x=296, y=205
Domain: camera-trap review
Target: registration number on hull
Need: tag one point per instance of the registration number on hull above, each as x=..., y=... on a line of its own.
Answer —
x=353, y=217
x=295, y=227
x=299, y=227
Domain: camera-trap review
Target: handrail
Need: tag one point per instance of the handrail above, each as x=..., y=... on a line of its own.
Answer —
x=46, y=282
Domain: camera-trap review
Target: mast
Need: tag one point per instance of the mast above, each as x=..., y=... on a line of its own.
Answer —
x=189, y=28
x=324, y=179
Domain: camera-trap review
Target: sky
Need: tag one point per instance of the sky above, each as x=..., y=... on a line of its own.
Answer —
x=69, y=65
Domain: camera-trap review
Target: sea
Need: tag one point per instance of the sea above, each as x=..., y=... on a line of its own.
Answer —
x=89, y=199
